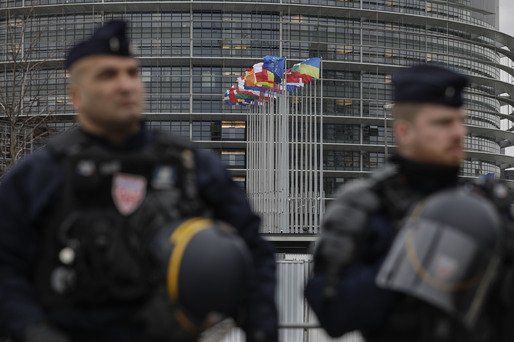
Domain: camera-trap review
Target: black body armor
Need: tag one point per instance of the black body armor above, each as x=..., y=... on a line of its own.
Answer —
x=344, y=227
x=491, y=308
x=95, y=245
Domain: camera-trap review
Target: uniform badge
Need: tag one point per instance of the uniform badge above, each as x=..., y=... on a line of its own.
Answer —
x=164, y=177
x=86, y=168
x=128, y=192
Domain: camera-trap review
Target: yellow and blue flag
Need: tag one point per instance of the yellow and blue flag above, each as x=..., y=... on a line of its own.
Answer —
x=309, y=67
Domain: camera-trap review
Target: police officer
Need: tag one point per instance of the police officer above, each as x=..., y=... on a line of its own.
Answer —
x=361, y=224
x=77, y=215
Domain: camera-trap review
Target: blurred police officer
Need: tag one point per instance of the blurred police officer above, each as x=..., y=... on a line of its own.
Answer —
x=76, y=215
x=361, y=224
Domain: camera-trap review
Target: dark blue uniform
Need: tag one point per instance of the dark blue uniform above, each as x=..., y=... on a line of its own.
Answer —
x=29, y=192
x=358, y=303
x=360, y=225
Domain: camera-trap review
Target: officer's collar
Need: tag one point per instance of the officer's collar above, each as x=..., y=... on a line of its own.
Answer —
x=133, y=141
x=426, y=177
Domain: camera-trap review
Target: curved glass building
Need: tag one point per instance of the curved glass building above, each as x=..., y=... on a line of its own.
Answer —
x=192, y=51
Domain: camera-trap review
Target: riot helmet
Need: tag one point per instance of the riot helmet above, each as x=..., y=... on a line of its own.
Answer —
x=207, y=270
x=446, y=253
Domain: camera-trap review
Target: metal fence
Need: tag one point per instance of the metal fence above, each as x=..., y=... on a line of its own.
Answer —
x=297, y=322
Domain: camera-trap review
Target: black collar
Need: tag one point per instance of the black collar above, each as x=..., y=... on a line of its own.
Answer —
x=134, y=141
x=425, y=177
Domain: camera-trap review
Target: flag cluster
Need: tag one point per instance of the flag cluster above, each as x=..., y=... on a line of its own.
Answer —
x=268, y=79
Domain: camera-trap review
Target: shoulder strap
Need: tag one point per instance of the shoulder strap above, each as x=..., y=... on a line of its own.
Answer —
x=167, y=139
x=184, y=149
x=397, y=196
x=67, y=143
x=384, y=174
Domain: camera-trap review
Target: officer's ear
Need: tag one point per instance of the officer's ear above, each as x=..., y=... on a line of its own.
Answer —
x=76, y=73
x=403, y=132
x=73, y=91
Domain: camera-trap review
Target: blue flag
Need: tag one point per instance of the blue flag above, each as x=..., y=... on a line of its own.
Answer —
x=275, y=64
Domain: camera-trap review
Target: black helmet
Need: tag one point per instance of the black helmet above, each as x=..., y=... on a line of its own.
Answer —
x=466, y=211
x=207, y=267
x=447, y=253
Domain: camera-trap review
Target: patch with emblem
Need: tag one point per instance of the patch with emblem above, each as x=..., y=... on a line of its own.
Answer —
x=449, y=92
x=128, y=192
x=445, y=267
x=164, y=177
x=114, y=44
x=86, y=168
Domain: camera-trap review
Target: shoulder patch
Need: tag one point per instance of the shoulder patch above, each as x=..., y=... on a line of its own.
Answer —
x=67, y=142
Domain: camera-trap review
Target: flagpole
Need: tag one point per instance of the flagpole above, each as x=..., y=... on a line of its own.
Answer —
x=315, y=171
x=321, y=180
x=295, y=157
x=309, y=147
x=285, y=155
x=267, y=140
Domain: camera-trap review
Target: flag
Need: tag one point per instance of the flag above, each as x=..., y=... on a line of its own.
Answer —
x=241, y=83
x=263, y=80
x=266, y=79
x=308, y=67
x=256, y=78
x=230, y=96
x=294, y=79
x=292, y=86
x=258, y=67
x=259, y=83
x=297, y=82
x=247, y=94
x=275, y=64
x=250, y=74
x=236, y=96
x=230, y=100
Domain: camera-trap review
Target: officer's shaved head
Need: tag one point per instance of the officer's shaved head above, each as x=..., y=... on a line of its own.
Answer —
x=76, y=72
x=406, y=111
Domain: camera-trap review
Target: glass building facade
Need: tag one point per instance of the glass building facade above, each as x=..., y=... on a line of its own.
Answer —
x=192, y=51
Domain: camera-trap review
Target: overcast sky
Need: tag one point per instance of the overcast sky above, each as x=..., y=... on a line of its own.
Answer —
x=507, y=16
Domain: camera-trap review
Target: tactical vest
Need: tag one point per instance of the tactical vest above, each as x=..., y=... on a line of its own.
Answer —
x=396, y=197
x=95, y=244
x=414, y=320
